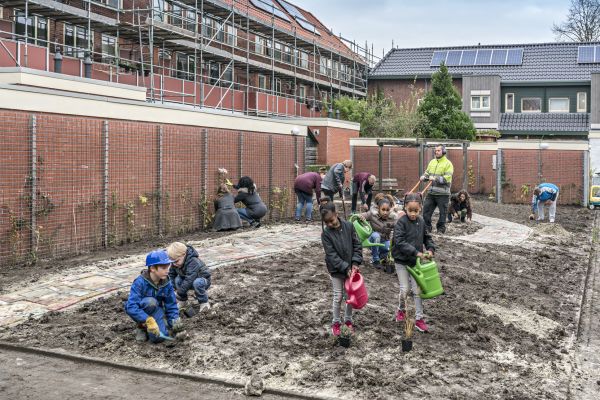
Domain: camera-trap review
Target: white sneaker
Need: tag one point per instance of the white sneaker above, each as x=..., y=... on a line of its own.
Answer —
x=551, y=220
x=204, y=307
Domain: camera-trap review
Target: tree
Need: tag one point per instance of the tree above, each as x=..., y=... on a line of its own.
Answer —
x=441, y=109
x=582, y=24
x=379, y=116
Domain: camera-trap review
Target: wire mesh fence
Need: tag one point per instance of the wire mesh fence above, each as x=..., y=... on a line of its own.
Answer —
x=73, y=185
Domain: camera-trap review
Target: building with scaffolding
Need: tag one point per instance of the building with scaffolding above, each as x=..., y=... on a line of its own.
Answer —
x=256, y=57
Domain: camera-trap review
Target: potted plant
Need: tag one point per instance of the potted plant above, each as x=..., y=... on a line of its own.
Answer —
x=345, y=336
x=409, y=322
x=489, y=135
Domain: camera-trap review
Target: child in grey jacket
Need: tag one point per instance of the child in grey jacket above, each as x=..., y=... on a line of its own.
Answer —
x=343, y=254
x=411, y=241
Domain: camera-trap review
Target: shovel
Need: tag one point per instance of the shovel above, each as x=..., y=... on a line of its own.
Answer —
x=165, y=337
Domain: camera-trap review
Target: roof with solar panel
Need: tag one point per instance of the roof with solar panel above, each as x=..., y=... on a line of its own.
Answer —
x=513, y=63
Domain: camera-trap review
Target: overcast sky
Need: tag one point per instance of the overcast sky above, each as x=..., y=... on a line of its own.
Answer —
x=429, y=23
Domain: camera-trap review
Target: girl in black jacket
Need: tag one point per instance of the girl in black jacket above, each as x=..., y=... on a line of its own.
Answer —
x=343, y=254
x=411, y=240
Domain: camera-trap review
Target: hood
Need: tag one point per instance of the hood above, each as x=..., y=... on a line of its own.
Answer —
x=161, y=283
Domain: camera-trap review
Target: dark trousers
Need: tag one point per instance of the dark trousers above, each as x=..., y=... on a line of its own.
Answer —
x=365, y=198
x=431, y=202
x=462, y=213
x=328, y=193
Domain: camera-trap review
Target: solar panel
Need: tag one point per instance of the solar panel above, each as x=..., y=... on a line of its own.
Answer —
x=515, y=57
x=298, y=16
x=468, y=57
x=597, y=58
x=483, y=57
x=585, y=54
x=438, y=58
x=270, y=7
x=453, y=58
x=499, y=57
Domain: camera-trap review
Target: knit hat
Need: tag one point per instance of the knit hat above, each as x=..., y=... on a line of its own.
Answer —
x=176, y=250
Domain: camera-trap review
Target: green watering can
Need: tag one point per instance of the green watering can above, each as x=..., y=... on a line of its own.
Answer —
x=428, y=279
x=363, y=231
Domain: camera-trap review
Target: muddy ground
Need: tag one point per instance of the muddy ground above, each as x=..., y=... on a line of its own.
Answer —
x=503, y=330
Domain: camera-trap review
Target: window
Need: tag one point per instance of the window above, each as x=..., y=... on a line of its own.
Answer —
x=302, y=60
x=582, y=102
x=227, y=78
x=159, y=10
x=531, y=104
x=76, y=41
x=207, y=30
x=109, y=48
x=231, y=35
x=186, y=67
x=110, y=3
x=277, y=85
x=323, y=66
x=301, y=93
x=509, y=102
x=287, y=54
x=558, y=105
x=480, y=103
x=262, y=82
x=278, y=50
x=37, y=28
x=214, y=74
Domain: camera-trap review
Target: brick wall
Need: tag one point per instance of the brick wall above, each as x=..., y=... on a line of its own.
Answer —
x=334, y=144
x=520, y=176
x=158, y=176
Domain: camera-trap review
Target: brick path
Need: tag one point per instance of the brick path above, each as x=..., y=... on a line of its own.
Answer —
x=497, y=231
x=58, y=292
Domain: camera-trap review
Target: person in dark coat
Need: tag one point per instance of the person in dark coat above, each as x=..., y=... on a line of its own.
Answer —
x=226, y=217
x=460, y=207
x=189, y=272
x=343, y=254
x=304, y=186
x=412, y=240
x=334, y=179
x=254, y=209
x=362, y=185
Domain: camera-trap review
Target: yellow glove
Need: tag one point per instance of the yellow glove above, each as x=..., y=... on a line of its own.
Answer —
x=152, y=326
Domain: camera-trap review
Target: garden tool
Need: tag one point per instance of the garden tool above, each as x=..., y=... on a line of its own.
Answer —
x=166, y=337
x=363, y=231
x=343, y=204
x=356, y=291
x=428, y=278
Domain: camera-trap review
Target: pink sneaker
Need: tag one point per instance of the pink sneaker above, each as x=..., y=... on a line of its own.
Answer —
x=421, y=325
x=350, y=326
x=336, y=329
x=400, y=316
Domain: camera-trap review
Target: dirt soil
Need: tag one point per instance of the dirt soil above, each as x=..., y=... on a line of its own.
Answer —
x=504, y=329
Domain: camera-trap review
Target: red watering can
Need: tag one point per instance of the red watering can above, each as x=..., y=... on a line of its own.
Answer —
x=356, y=291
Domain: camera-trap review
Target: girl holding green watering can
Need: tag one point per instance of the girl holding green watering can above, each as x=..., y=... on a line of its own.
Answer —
x=411, y=241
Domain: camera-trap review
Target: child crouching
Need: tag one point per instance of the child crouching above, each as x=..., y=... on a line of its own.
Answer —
x=382, y=219
x=152, y=302
x=343, y=254
x=410, y=239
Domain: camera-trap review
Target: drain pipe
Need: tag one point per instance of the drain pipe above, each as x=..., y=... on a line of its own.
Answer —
x=87, y=62
x=58, y=59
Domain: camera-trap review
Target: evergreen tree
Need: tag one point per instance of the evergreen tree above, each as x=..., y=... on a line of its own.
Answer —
x=441, y=109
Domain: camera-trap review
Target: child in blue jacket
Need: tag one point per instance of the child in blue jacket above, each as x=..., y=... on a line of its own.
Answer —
x=152, y=302
x=545, y=194
x=188, y=272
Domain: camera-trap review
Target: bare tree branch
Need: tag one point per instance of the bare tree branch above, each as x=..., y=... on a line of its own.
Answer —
x=582, y=24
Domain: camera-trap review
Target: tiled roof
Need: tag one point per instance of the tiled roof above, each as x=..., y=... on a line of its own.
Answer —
x=326, y=38
x=541, y=62
x=546, y=122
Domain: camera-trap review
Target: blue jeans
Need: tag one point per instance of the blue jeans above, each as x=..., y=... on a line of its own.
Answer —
x=150, y=307
x=377, y=252
x=304, y=199
x=200, y=286
x=244, y=215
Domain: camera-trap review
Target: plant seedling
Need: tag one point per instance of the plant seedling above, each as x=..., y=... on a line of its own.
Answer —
x=345, y=336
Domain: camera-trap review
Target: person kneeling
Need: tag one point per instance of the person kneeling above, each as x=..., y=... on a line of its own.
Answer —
x=460, y=207
x=152, y=303
x=189, y=272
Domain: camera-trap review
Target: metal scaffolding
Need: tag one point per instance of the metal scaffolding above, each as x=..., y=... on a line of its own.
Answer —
x=224, y=45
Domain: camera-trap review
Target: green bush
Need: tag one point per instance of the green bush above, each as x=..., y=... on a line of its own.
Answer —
x=315, y=168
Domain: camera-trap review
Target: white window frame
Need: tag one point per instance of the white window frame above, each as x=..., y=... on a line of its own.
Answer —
x=419, y=101
x=301, y=93
x=481, y=107
x=107, y=57
x=531, y=98
x=506, y=109
x=231, y=35
x=75, y=50
x=33, y=39
x=584, y=95
x=562, y=111
x=278, y=86
x=106, y=3
x=262, y=82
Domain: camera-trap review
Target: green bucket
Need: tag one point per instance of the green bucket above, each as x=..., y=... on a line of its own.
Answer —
x=363, y=231
x=427, y=277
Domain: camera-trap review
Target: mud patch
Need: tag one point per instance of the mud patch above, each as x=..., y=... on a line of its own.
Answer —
x=271, y=318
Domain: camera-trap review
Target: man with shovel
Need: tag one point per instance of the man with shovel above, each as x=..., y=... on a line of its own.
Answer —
x=333, y=182
x=439, y=172
x=545, y=194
